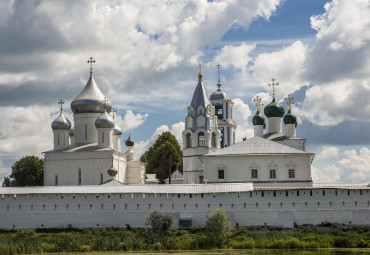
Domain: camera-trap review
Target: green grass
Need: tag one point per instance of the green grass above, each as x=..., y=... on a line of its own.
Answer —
x=29, y=241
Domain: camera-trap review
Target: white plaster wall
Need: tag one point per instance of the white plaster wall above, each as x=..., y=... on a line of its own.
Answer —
x=63, y=139
x=238, y=168
x=258, y=207
x=66, y=165
x=258, y=130
x=134, y=173
x=299, y=144
x=79, y=123
x=274, y=124
x=290, y=130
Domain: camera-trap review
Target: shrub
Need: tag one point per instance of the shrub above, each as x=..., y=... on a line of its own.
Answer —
x=218, y=226
x=160, y=223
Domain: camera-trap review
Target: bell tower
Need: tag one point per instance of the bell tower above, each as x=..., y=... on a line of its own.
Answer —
x=201, y=134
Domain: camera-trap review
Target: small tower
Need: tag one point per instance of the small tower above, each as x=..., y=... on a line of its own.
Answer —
x=105, y=124
x=224, y=112
x=274, y=112
x=129, y=144
x=61, y=126
x=201, y=134
x=290, y=120
x=258, y=120
x=117, y=132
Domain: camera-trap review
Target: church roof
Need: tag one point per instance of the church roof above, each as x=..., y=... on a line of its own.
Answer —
x=219, y=95
x=81, y=147
x=200, y=96
x=177, y=175
x=90, y=100
x=279, y=137
x=256, y=146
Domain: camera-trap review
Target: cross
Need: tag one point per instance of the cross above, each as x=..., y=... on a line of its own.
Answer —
x=200, y=72
x=273, y=84
x=114, y=113
x=91, y=61
x=258, y=100
x=61, y=102
x=290, y=101
x=105, y=101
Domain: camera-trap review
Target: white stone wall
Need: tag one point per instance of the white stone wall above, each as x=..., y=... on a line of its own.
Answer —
x=238, y=169
x=274, y=124
x=258, y=207
x=85, y=122
x=66, y=165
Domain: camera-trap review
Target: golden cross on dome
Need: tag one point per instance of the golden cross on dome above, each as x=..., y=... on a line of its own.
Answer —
x=289, y=102
x=105, y=101
x=273, y=84
x=61, y=102
x=114, y=113
x=258, y=104
x=91, y=61
x=200, y=72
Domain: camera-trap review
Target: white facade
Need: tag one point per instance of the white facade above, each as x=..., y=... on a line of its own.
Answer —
x=93, y=157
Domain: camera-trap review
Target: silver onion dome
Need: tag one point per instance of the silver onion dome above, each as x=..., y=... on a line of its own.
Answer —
x=61, y=123
x=90, y=100
x=117, y=130
x=104, y=121
x=219, y=95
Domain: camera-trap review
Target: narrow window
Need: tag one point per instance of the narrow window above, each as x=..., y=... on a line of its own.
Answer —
x=56, y=180
x=201, y=179
x=101, y=178
x=201, y=140
x=85, y=131
x=213, y=140
x=291, y=173
x=272, y=173
x=79, y=176
x=221, y=174
x=58, y=139
x=254, y=173
x=188, y=140
x=218, y=109
x=102, y=137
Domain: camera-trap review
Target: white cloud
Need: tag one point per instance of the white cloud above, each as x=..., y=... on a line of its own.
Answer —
x=131, y=120
x=327, y=174
x=356, y=166
x=241, y=114
x=176, y=129
x=328, y=152
x=235, y=56
x=284, y=65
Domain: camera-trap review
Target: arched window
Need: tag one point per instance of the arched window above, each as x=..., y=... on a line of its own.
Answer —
x=188, y=140
x=213, y=140
x=201, y=140
x=218, y=109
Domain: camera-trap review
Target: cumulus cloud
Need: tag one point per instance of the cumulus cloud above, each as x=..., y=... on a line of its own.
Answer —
x=242, y=114
x=356, y=166
x=176, y=129
x=328, y=152
x=327, y=174
x=131, y=120
x=235, y=56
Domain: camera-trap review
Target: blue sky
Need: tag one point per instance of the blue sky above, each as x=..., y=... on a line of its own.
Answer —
x=147, y=62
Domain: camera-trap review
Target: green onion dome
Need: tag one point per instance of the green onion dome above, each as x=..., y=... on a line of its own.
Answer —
x=258, y=119
x=274, y=109
x=289, y=118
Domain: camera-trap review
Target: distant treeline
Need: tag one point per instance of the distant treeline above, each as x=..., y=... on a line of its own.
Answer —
x=197, y=238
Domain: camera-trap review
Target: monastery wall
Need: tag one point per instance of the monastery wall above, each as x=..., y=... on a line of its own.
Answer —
x=262, y=206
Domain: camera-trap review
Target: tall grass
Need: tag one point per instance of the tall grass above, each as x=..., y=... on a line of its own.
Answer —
x=29, y=241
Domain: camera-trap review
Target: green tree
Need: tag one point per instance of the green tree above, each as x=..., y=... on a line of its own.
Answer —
x=218, y=226
x=28, y=171
x=157, y=156
x=160, y=223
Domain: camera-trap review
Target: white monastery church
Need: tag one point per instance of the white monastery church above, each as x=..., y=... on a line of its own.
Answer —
x=265, y=179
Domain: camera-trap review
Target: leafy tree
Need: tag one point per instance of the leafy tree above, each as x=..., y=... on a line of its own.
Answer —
x=218, y=226
x=28, y=171
x=157, y=156
x=160, y=223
